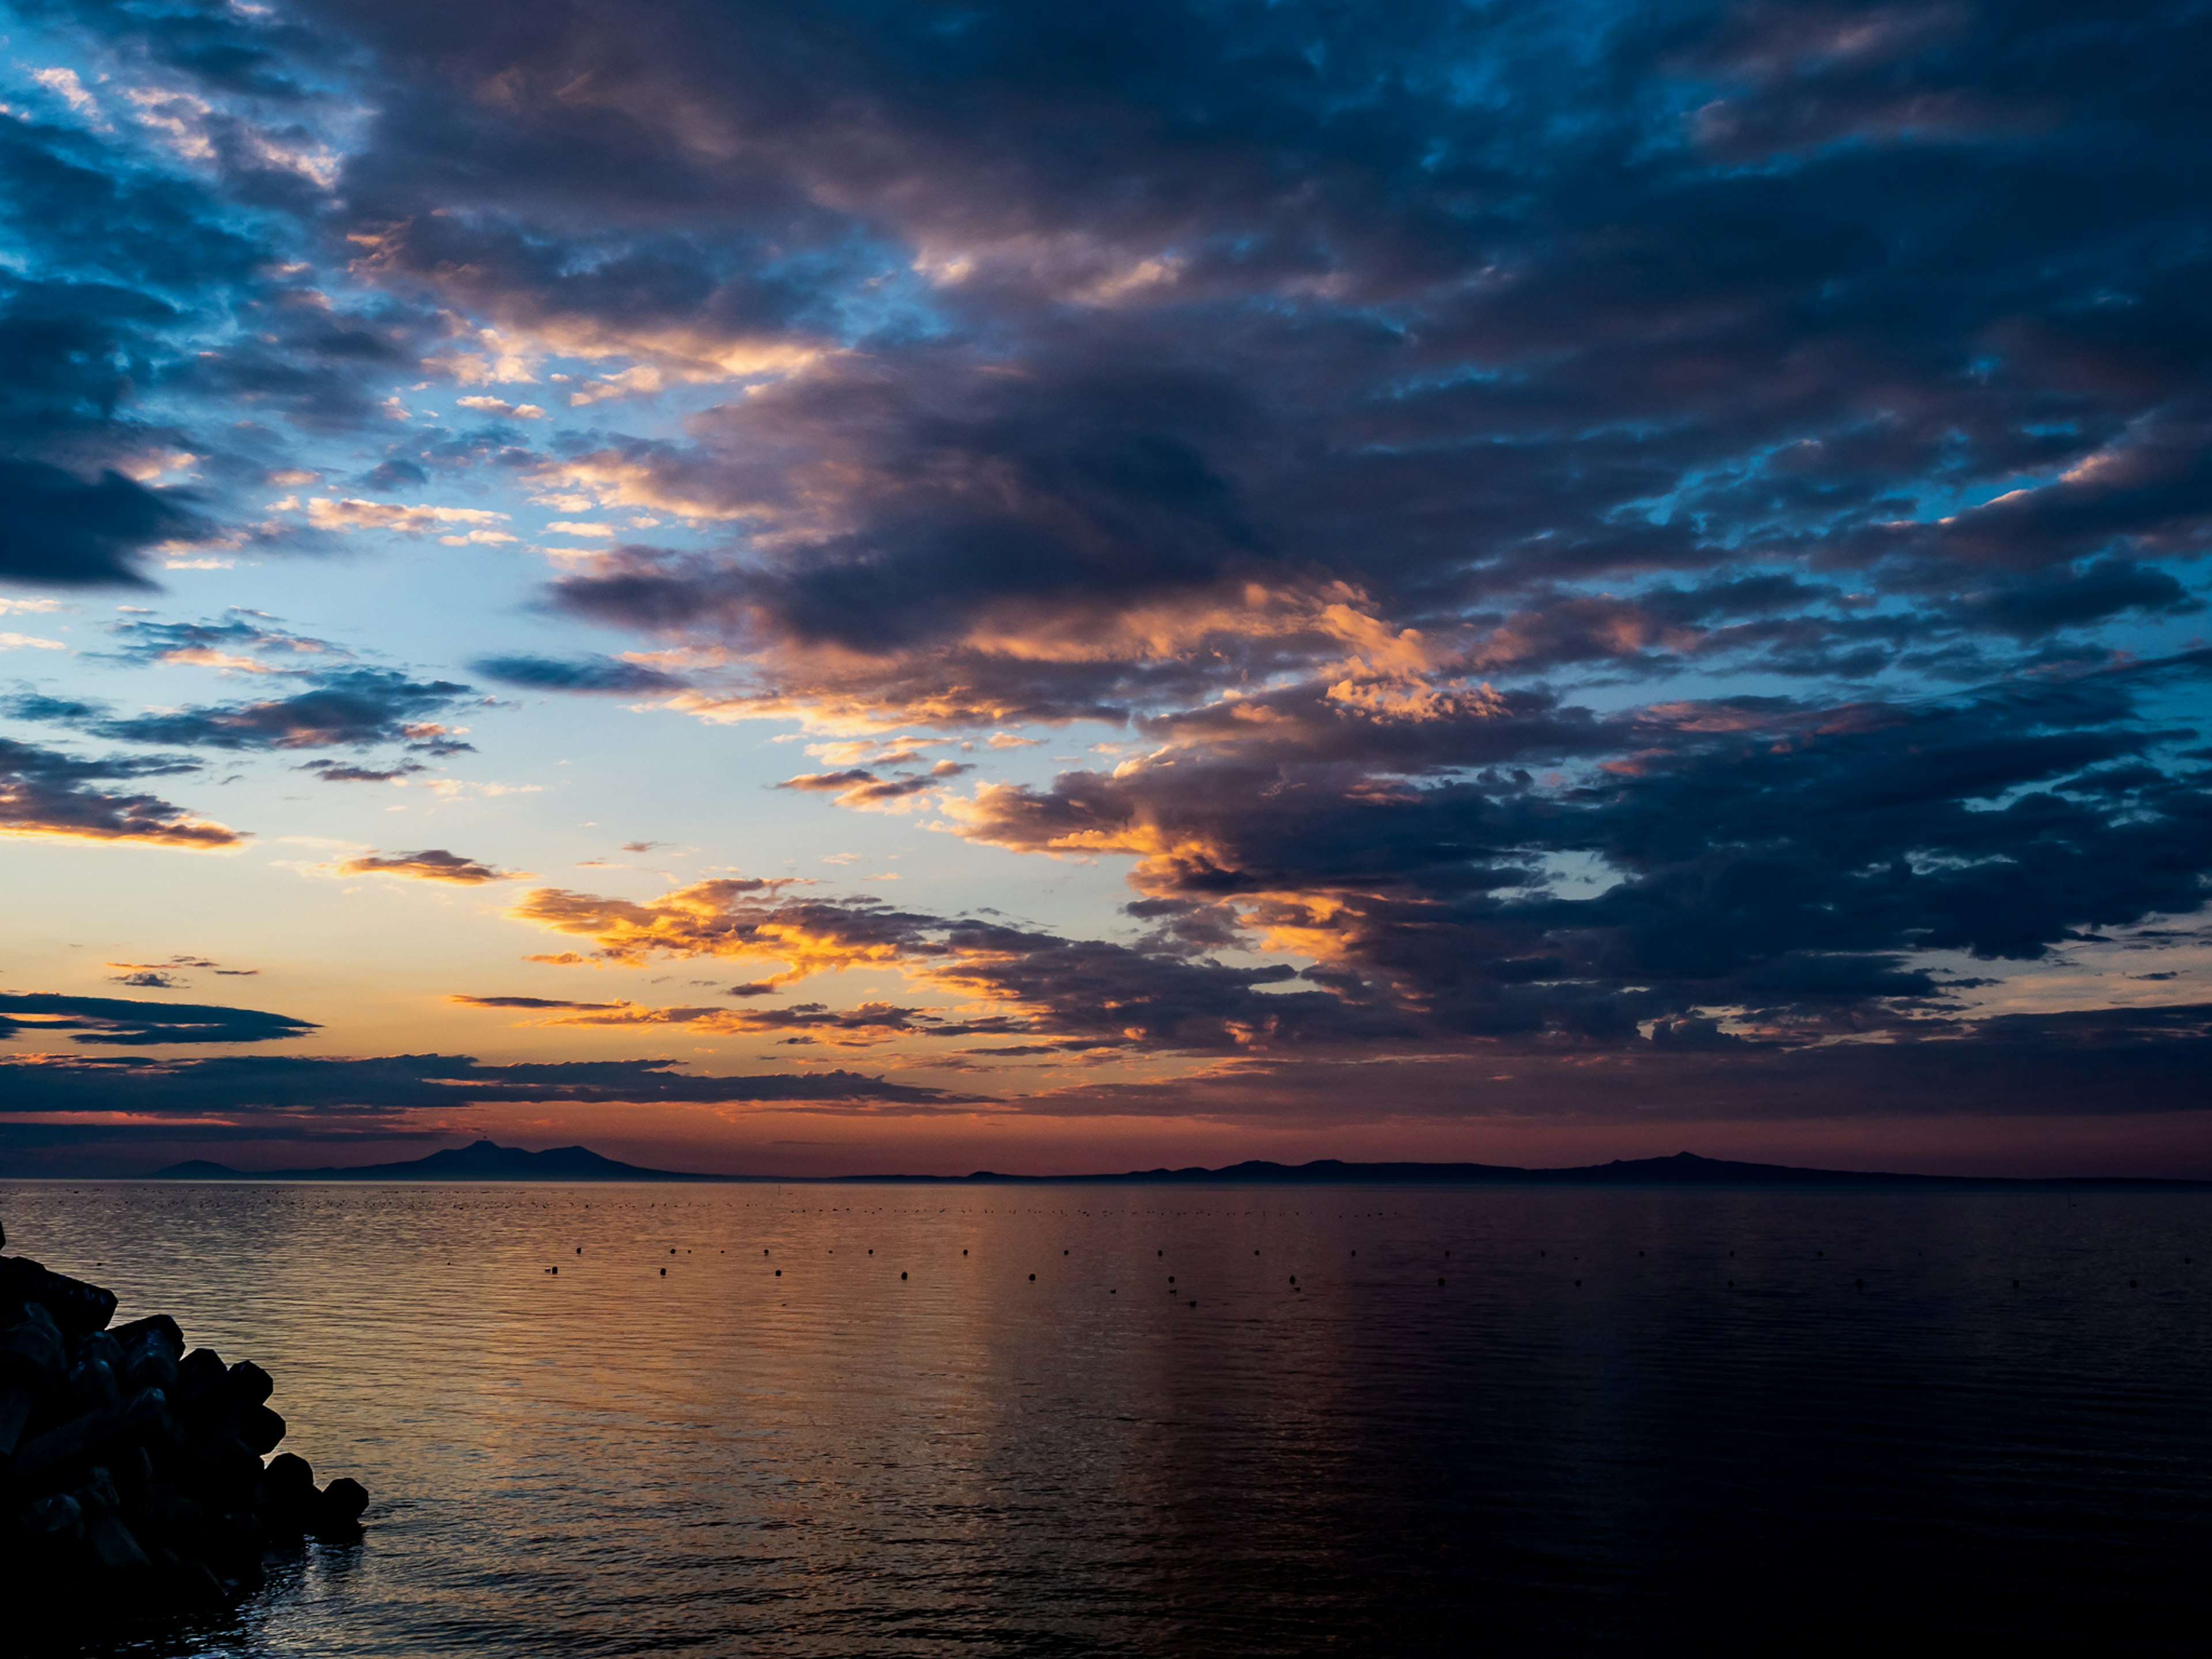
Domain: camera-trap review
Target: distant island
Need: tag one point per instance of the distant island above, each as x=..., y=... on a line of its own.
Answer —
x=486, y=1160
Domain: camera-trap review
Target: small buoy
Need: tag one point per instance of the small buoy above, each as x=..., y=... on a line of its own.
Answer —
x=901, y=1275
x=779, y=1271
x=2016, y=1283
x=1861, y=1284
x=1578, y=1283
x=1160, y=1252
x=2132, y=1284
x=664, y=1273
x=1194, y=1305
x=1440, y=1283
x=763, y=1251
x=672, y=1252
x=580, y=1249
x=1731, y=1283
x=871, y=1252
x=1294, y=1278
x=1170, y=1279
x=552, y=1270
x=1032, y=1279
x=963, y=1252
x=1063, y=1252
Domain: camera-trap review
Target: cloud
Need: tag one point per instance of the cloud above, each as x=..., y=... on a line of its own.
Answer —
x=46, y=794
x=240, y=643
x=353, y=514
x=261, y=1087
x=865, y=791
x=350, y=707
x=432, y=864
x=500, y=406
x=1782, y=860
x=590, y=674
x=111, y=1020
x=1785, y=869
x=341, y=772
x=2092, y=1063
x=67, y=532
x=1032, y=981
x=1595, y=534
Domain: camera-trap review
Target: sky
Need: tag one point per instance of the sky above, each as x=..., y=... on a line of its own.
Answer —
x=848, y=587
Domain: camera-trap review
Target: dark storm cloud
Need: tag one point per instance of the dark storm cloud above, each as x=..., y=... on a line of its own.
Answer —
x=1456, y=992
x=1083, y=315
x=350, y=707
x=1327, y=398
x=1573, y=301
x=138, y=283
x=67, y=532
x=267, y=1085
x=44, y=793
x=114, y=1020
x=1759, y=853
x=598, y=674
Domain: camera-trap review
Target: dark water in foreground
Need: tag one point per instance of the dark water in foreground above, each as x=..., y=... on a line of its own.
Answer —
x=841, y=1462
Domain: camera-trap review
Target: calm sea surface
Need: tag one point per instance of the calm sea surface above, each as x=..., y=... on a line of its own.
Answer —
x=1104, y=1421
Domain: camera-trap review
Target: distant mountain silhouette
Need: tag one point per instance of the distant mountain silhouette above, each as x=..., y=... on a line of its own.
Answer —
x=482, y=1160
x=486, y=1160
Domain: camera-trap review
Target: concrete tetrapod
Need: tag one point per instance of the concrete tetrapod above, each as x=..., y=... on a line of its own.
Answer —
x=132, y=1487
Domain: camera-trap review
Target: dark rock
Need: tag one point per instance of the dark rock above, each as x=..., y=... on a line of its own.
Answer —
x=78, y=1308
x=160, y=1326
x=249, y=1384
x=31, y=1361
x=288, y=1500
x=92, y=1384
x=200, y=1375
x=51, y=1518
x=259, y=1429
x=131, y=1482
x=143, y=1413
x=337, y=1514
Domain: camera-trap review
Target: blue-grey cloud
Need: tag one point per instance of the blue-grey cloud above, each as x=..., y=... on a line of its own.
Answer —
x=256, y=1085
x=606, y=675
x=350, y=707
x=43, y=791
x=116, y=1021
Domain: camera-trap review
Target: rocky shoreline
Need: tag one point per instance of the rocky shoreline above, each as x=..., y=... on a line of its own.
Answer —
x=132, y=1480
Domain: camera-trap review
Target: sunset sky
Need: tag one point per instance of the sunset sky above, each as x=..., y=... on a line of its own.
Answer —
x=856, y=587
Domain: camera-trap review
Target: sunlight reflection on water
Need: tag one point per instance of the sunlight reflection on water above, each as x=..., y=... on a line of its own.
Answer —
x=842, y=1460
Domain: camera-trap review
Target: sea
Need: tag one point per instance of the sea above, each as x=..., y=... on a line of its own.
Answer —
x=1074, y=1420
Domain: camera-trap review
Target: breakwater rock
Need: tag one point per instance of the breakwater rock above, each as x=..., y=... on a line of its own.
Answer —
x=132, y=1484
